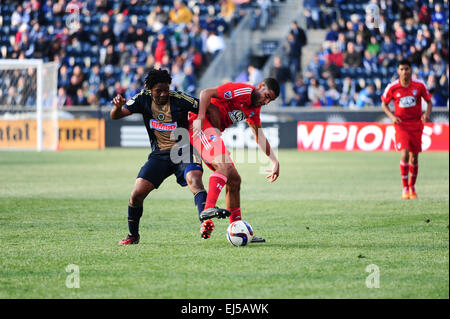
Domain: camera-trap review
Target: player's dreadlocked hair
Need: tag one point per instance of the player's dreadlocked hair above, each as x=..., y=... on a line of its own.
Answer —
x=272, y=85
x=157, y=76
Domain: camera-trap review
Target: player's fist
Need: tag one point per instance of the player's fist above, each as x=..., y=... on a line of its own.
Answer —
x=396, y=120
x=118, y=101
x=425, y=118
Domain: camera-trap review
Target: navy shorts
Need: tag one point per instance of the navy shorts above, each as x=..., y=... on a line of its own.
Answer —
x=159, y=166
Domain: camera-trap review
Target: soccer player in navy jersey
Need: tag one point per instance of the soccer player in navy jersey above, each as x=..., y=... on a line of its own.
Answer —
x=164, y=112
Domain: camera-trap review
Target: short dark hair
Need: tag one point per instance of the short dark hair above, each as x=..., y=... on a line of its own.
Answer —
x=272, y=85
x=404, y=62
x=157, y=76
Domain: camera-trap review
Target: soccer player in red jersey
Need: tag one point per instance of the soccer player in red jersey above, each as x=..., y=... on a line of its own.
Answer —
x=219, y=108
x=408, y=120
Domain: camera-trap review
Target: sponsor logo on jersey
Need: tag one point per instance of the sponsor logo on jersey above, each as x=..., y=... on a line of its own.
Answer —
x=228, y=95
x=236, y=116
x=407, y=101
x=163, y=127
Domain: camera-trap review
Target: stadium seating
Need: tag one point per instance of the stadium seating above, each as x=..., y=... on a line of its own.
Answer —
x=402, y=21
x=184, y=42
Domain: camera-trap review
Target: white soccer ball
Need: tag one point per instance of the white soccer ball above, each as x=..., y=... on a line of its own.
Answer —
x=239, y=233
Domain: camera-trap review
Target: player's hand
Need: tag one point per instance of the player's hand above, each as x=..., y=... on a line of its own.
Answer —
x=197, y=126
x=274, y=173
x=425, y=118
x=118, y=101
x=396, y=120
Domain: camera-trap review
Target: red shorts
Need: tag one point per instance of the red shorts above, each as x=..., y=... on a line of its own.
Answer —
x=409, y=137
x=208, y=144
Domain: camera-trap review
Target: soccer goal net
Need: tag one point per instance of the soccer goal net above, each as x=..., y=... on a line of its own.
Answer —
x=28, y=105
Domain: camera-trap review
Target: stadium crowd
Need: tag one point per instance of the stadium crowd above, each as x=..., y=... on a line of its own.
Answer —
x=105, y=47
x=358, y=56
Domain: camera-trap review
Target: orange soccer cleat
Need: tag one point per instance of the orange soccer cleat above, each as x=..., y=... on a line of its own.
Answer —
x=412, y=193
x=206, y=228
x=405, y=193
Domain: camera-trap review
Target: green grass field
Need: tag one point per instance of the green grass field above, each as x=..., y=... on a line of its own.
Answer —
x=327, y=218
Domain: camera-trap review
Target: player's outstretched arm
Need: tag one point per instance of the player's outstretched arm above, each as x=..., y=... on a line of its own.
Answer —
x=118, y=110
x=264, y=146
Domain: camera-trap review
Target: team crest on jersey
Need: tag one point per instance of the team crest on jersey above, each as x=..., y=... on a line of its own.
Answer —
x=236, y=116
x=130, y=102
x=212, y=138
x=228, y=95
x=161, y=116
x=407, y=101
x=414, y=92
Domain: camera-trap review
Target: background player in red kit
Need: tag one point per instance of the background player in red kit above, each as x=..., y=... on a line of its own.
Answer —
x=219, y=108
x=408, y=119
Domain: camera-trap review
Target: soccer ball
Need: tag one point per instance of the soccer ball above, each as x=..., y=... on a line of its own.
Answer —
x=239, y=233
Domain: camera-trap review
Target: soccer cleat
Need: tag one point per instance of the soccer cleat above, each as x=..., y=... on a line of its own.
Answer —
x=257, y=239
x=412, y=193
x=214, y=212
x=405, y=193
x=206, y=228
x=130, y=240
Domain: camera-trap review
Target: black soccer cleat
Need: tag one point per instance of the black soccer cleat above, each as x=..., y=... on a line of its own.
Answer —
x=214, y=212
x=257, y=239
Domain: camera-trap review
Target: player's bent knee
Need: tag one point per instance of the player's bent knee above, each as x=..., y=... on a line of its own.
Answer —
x=194, y=180
x=141, y=189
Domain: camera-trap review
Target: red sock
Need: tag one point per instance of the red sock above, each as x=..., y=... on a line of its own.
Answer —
x=235, y=214
x=216, y=183
x=404, y=169
x=413, y=170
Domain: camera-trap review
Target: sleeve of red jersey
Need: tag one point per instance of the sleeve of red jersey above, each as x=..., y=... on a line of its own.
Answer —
x=255, y=119
x=387, y=95
x=232, y=90
x=425, y=93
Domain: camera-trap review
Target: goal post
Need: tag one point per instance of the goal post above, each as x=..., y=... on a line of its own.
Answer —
x=28, y=104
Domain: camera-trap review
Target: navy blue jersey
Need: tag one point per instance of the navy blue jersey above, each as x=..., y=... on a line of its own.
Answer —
x=161, y=121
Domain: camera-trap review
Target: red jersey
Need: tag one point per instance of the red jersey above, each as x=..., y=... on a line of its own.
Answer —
x=407, y=100
x=235, y=104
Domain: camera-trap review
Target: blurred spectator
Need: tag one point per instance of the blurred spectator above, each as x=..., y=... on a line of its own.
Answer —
x=300, y=93
x=352, y=59
x=254, y=75
x=214, y=44
x=189, y=83
x=180, y=13
x=316, y=94
x=293, y=51
x=366, y=97
x=79, y=98
x=282, y=74
x=62, y=98
x=332, y=94
x=157, y=19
